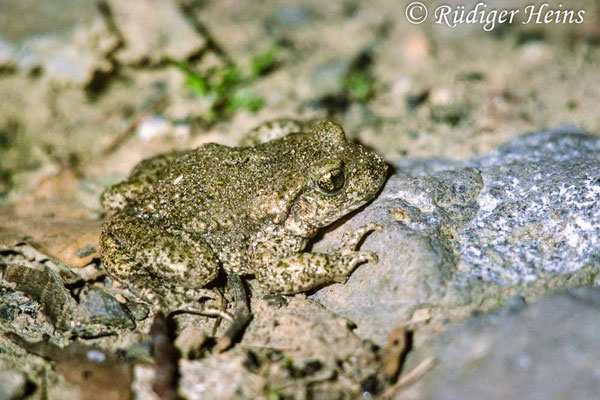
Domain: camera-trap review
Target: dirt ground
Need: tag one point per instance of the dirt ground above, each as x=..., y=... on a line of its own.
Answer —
x=89, y=89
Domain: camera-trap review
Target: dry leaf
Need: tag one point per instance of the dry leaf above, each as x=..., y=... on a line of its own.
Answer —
x=73, y=241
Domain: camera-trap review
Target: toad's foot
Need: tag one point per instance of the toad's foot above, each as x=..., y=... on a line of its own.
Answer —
x=192, y=303
x=350, y=261
x=350, y=256
x=305, y=271
x=195, y=306
x=352, y=238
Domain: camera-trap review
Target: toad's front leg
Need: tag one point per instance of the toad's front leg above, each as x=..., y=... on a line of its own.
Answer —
x=305, y=271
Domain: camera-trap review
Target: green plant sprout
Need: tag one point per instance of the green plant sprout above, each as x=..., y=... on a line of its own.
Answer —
x=225, y=88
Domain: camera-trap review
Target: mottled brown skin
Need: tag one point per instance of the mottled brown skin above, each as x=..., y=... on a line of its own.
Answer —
x=179, y=217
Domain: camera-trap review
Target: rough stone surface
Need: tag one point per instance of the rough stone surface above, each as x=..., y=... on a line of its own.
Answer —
x=546, y=350
x=75, y=61
x=538, y=210
x=66, y=40
x=154, y=31
x=293, y=346
x=46, y=287
x=524, y=214
x=98, y=306
x=13, y=385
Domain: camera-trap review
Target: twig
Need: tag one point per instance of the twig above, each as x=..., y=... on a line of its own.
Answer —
x=222, y=307
x=411, y=377
x=166, y=358
x=268, y=348
x=397, y=345
x=127, y=133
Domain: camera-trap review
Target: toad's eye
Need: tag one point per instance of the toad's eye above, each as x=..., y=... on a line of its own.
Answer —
x=330, y=179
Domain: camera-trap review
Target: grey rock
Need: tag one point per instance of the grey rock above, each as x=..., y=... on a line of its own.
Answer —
x=15, y=303
x=46, y=287
x=138, y=311
x=328, y=78
x=293, y=17
x=547, y=350
x=154, y=31
x=13, y=385
x=413, y=270
x=7, y=55
x=99, y=307
x=461, y=234
x=538, y=211
x=66, y=39
x=563, y=144
x=19, y=313
x=62, y=60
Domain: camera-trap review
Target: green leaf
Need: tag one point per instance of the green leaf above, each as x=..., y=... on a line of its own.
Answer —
x=197, y=84
x=263, y=62
x=229, y=78
x=360, y=86
x=245, y=100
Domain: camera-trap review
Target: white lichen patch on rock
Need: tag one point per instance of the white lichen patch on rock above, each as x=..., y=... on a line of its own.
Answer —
x=538, y=210
x=534, y=214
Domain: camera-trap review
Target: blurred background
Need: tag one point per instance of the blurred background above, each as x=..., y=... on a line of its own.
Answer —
x=90, y=88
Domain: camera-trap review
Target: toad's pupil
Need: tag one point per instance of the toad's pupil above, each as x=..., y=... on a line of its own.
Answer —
x=332, y=181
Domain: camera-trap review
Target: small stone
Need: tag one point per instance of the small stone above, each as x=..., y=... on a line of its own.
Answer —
x=98, y=306
x=328, y=78
x=13, y=385
x=46, y=287
x=152, y=127
x=413, y=101
x=139, y=311
x=421, y=315
x=441, y=97
x=416, y=48
x=154, y=31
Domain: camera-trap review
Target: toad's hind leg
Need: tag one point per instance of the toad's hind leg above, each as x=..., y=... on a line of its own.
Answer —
x=163, y=267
